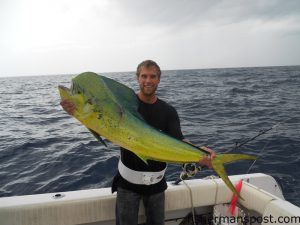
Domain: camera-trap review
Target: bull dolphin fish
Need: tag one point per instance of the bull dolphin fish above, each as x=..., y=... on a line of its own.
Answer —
x=109, y=109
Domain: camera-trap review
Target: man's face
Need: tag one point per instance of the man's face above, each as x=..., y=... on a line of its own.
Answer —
x=148, y=80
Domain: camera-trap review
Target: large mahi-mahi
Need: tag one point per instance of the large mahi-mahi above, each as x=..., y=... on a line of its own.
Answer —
x=109, y=109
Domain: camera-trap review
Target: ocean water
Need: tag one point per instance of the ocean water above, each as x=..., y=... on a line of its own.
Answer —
x=43, y=149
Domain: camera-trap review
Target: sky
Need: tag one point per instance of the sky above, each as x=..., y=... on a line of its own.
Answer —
x=43, y=37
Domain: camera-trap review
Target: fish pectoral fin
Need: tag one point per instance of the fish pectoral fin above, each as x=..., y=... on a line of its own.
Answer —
x=218, y=165
x=143, y=158
x=98, y=137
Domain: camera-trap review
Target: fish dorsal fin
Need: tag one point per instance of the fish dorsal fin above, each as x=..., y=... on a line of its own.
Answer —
x=98, y=137
x=125, y=96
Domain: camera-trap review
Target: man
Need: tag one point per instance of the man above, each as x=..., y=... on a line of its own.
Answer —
x=133, y=181
x=129, y=189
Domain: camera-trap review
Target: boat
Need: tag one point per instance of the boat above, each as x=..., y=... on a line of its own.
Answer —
x=196, y=201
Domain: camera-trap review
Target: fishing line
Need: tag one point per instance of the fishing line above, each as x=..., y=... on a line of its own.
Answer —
x=259, y=155
x=260, y=133
x=191, y=199
x=238, y=145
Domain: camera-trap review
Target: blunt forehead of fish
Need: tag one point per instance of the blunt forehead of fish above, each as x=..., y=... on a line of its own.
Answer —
x=75, y=88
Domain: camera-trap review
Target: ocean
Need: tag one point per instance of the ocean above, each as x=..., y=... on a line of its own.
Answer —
x=43, y=149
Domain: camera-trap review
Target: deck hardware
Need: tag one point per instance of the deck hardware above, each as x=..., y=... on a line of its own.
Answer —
x=58, y=196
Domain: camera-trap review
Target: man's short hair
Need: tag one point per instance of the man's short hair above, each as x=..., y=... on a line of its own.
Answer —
x=148, y=63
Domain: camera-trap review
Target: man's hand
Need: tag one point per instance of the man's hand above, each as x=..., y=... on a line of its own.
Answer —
x=68, y=106
x=206, y=160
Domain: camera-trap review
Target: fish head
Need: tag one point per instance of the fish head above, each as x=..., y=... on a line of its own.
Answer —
x=88, y=92
x=92, y=89
x=77, y=99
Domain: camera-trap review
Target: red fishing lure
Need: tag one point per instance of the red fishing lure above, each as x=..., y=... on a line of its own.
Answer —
x=232, y=207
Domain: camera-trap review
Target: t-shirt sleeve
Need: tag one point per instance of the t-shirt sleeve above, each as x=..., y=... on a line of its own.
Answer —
x=173, y=125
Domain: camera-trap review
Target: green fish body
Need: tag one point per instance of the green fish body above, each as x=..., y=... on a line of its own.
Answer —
x=109, y=109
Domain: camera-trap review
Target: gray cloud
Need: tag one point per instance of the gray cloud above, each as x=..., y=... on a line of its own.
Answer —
x=189, y=12
x=114, y=35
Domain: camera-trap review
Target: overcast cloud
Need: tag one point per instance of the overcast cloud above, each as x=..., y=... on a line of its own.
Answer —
x=40, y=37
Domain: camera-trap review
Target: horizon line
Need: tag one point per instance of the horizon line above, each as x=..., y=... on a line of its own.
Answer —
x=133, y=71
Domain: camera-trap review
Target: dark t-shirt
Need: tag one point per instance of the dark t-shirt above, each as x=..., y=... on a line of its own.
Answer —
x=164, y=117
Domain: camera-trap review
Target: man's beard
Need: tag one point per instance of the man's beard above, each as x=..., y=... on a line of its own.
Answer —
x=146, y=93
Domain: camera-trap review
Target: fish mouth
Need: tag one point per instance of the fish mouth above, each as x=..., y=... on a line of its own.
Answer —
x=64, y=92
x=64, y=88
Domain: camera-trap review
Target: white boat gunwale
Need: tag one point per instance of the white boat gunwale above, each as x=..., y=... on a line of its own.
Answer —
x=96, y=206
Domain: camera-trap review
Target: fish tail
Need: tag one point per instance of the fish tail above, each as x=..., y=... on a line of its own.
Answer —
x=218, y=165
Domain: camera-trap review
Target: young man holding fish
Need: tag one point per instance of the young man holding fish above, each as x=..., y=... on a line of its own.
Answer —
x=135, y=179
